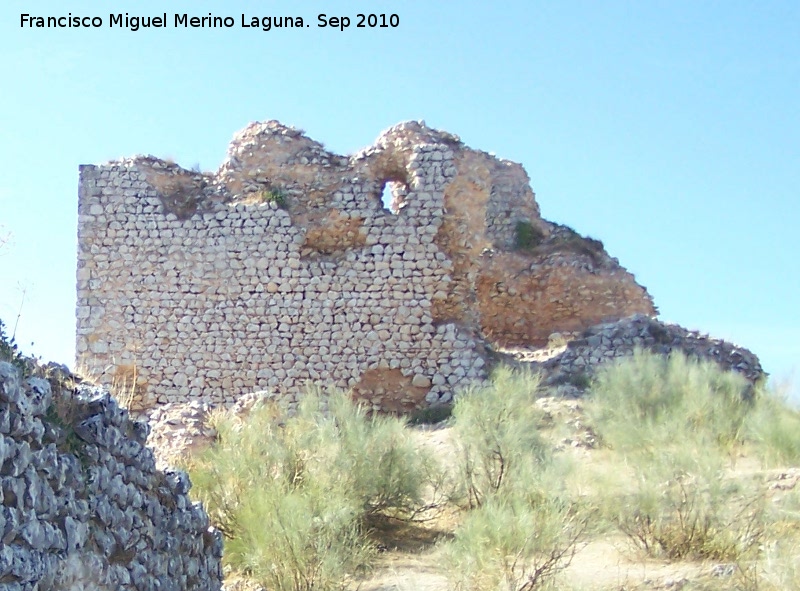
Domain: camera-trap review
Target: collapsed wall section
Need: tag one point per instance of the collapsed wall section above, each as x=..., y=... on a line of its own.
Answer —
x=605, y=343
x=566, y=279
x=516, y=276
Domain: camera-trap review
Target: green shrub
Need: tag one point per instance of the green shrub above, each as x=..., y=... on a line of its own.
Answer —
x=431, y=415
x=781, y=568
x=521, y=530
x=275, y=196
x=9, y=352
x=293, y=496
x=496, y=430
x=774, y=428
x=650, y=402
x=515, y=542
x=675, y=422
x=527, y=236
x=684, y=507
x=298, y=539
x=388, y=472
x=580, y=380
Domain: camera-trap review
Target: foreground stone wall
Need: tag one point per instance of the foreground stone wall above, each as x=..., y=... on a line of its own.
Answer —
x=82, y=504
x=284, y=268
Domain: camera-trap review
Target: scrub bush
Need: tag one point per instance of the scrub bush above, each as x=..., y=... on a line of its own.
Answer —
x=675, y=423
x=773, y=427
x=521, y=529
x=648, y=403
x=294, y=496
x=515, y=543
x=497, y=438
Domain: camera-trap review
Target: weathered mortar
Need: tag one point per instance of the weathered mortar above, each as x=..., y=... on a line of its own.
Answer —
x=284, y=268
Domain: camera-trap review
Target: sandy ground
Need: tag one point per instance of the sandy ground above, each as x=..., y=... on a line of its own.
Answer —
x=606, y=563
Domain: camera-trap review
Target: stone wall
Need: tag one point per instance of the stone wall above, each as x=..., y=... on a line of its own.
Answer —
x=82, y=505
x=284, y=267
x=606, y=342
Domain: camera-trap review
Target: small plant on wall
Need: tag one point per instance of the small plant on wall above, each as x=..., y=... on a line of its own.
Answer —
x=526, y=236
x=275, y=196
x=10, y=353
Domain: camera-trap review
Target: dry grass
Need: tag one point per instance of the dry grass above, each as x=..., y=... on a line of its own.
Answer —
x=122, y=381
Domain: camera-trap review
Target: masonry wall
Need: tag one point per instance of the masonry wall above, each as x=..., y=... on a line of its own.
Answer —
x=285, y=268
x=224, y=302
x=606, y=343
x=82, y=505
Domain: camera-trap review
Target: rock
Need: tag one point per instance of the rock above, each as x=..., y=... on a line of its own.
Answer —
x=420, y=381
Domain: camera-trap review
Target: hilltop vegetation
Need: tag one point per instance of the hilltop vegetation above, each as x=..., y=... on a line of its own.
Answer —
x=681, y=469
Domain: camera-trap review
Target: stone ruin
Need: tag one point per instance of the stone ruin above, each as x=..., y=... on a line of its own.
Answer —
x=286, y=267
x=597, y=345
x=82, y=505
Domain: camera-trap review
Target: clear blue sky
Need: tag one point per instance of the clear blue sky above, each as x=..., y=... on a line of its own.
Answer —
x=670, y=130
